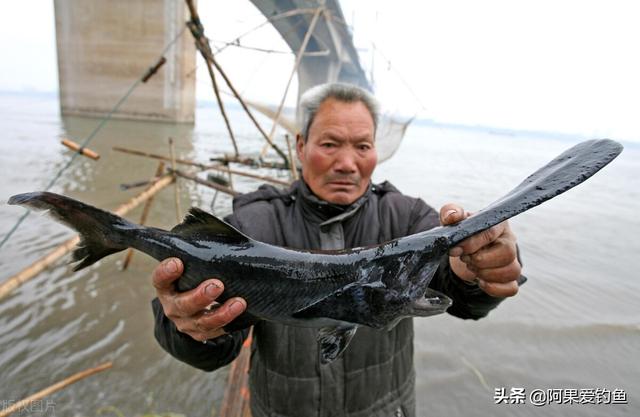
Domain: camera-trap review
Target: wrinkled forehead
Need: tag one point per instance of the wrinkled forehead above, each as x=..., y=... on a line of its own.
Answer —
x=335, y=114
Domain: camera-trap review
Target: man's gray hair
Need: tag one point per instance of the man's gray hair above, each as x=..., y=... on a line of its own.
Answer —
x=348, y=93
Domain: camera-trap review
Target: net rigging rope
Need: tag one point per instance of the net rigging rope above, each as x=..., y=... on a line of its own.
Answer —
x=95, y=131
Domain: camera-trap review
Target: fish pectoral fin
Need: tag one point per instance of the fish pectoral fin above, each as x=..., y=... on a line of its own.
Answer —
x=200, y=224
x=433, y=302
x=349, y=302
x=332, y=341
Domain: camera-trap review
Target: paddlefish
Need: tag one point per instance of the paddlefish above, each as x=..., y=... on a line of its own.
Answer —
x=335, y=291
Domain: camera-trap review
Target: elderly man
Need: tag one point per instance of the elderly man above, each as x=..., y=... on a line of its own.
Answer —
x=334, y=206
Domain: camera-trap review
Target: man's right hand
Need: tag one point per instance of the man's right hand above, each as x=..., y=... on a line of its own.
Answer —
x=189, y=310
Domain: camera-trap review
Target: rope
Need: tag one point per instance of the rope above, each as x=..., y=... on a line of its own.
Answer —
x=95, y=131
x=236, y=43
x=271, y=19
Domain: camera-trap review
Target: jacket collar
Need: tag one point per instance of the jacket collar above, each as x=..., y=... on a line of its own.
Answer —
x=324, y=212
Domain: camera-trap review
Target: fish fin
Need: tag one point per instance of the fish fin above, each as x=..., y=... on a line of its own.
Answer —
x=332, y=341
x=101, y=233
x=89, y=251
x=200, y=224
x=355, y=302
x=433, y=302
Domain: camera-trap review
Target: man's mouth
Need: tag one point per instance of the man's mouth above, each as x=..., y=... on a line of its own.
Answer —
x=343, y=181
x=345, y=185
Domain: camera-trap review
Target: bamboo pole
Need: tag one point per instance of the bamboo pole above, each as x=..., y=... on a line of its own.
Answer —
x=22, y=404
x=204, y=166
x=81, y=150
x=250, y=175
x=216, y=91
x=287, y=124
x=252, y=162
x=151, y=71
x=143, y=217
x=210, y=184
x=294, y=170
x=246, y=109
x=205, y=43
x=160, y=157
x=125, y=187
x=35, y=268
x=235, y=402
x=197, y=30
x=296, y=65
x=230, y=175
x=177, y=189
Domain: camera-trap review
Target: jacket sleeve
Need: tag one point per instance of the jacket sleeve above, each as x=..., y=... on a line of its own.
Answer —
x=208, y=356
x=469, y=301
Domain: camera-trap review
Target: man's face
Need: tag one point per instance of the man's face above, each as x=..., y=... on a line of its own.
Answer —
x=339, y=155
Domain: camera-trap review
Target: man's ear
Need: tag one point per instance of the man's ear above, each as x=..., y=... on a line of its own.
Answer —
x=299, y=146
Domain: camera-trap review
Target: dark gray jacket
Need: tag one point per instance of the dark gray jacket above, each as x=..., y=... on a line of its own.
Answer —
x=375, y=375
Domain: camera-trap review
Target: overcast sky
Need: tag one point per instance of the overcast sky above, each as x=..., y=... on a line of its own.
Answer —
x=568, y=66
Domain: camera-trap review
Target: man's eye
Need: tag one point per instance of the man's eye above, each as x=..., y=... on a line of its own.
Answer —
x=364, y=147
x=327, y=145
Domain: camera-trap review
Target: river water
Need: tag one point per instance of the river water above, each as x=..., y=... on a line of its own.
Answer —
x=574, y=326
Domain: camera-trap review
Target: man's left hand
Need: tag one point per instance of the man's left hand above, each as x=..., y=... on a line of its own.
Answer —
x=488, y=258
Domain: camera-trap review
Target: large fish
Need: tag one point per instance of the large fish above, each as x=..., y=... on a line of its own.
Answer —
x=333, y=290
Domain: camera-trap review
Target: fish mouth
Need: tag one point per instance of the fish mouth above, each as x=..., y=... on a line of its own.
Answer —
x=432, y=303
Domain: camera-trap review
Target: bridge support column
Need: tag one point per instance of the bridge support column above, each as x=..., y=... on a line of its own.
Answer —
x=104, y=46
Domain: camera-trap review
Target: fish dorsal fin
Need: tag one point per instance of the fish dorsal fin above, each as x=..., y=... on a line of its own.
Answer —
x=201, y=225
x=332, y=341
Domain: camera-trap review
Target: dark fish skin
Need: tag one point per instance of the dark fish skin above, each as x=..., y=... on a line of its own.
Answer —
x=373, y=286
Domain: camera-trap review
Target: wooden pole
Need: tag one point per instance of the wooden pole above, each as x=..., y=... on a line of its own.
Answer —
x=204, y=166
x=22, y=404
x=210, y=184
x=197, y=30
x=294, y=169
x=230, y=174
x=35, y=268
x=235, y=402
x=177, y=189
x=246, y=109
x=296, y=65
x=252, y=162
x=143, y=217
x=82, y=151
x=160, y=157
x=212, y=75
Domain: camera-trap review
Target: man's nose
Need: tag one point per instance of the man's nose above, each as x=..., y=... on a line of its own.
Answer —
x=346, y=161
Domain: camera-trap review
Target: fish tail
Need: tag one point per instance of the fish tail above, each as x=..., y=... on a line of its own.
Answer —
x=101, y=233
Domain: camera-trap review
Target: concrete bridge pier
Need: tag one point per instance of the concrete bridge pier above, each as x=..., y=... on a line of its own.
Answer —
x=104, y=46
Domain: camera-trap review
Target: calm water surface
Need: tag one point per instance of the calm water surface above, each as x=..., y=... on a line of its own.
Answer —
x=574, y=325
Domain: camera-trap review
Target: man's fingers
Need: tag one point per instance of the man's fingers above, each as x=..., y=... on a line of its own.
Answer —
x=498, y=289
x=502, y=252
x=191, y=302
x=501, y=275
x=165, y=274
x=208, y=324
x=451, y=214
x=478, y=241
x=222, y=315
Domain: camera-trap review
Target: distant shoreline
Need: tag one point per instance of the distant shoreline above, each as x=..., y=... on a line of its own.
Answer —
x=503, y=131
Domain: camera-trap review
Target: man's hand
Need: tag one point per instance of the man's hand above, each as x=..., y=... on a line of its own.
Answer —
x=489, y=257
x=189, y=310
